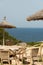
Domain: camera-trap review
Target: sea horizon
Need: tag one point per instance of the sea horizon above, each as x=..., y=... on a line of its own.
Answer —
x=27, y=34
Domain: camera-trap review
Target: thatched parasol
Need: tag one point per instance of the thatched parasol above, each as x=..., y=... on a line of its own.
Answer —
x=5, y=24
x=37, y=16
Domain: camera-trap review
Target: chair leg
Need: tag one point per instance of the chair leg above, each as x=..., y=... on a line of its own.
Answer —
x=1, y=62
x=9, y=62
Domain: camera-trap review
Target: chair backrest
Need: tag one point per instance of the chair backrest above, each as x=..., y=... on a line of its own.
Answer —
x=4, y=54
x=28, y=52
x=35, y=52
x=0, y=52
x=41, y=51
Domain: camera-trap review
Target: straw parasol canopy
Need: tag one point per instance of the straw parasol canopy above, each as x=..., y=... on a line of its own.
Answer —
x=5, y=24
x=37, y=16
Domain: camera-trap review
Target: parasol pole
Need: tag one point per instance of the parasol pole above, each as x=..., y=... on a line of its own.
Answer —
x=4, y=32
x=3, y=38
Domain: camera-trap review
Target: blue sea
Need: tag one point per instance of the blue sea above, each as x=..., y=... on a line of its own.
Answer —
x=27, y=34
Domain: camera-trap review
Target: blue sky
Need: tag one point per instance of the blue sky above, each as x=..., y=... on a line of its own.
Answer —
x=17, y=11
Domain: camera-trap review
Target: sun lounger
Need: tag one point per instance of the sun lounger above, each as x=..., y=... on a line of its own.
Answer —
x=5, y=57
x=34, y=53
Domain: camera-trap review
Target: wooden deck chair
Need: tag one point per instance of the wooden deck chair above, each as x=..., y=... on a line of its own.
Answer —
x=27, y=57
x=4, y=57
x=35, y=57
